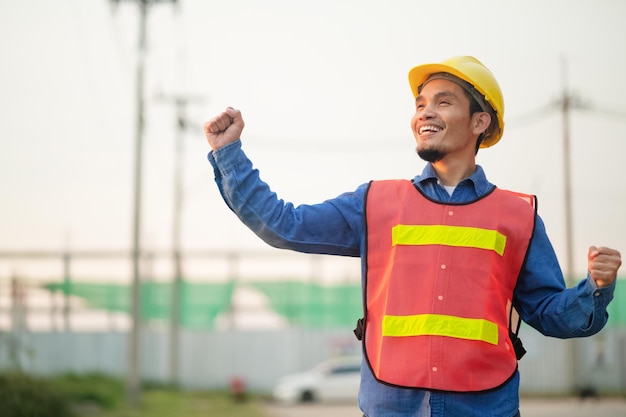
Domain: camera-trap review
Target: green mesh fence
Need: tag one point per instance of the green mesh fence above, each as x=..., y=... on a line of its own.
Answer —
x=617, y=308
x=200, y=303
x=303, y=304
x=314, y=305
x=101, y=296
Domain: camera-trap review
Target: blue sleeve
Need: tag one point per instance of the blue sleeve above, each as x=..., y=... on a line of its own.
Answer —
x=543, y=301
x=333, y=227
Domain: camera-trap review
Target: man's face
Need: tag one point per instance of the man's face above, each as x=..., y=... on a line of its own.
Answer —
x=442, y=123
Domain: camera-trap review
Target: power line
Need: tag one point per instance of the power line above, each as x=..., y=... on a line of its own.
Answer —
x=555, y=106
x=604, y=112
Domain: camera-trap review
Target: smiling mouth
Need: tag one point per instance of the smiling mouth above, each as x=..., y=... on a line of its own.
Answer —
x=429, y=129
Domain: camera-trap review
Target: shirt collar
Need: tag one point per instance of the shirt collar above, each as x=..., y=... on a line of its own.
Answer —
x=478, y=180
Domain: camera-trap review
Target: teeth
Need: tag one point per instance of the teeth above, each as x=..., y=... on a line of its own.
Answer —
x=429, y=128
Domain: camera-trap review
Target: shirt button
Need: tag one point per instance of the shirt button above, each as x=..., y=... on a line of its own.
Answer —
x=597, y=293
x=435, y=369
x=443, y=266
x=450, y=213
x=440, y=298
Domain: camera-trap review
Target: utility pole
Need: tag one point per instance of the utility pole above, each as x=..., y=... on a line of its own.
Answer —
x=567, y=101
x=67, y=291
x=133, y=380
x=182, y=123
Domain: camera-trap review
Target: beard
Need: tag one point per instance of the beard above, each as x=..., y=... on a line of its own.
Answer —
x=430, y=155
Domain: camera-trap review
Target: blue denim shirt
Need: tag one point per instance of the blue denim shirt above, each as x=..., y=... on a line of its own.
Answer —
x=336, y=227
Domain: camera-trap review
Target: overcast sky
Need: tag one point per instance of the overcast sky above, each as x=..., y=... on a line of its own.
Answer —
x=323, y=90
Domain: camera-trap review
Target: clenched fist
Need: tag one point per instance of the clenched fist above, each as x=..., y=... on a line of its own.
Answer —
x=224, y=128
x=603, y=264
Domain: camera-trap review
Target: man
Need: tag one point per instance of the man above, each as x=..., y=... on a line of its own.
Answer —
x=447, y=257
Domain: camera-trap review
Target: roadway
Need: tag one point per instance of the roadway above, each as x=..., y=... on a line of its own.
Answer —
x=529, y=408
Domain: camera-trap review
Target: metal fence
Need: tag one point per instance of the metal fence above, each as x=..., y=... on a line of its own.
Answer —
x=68, y=312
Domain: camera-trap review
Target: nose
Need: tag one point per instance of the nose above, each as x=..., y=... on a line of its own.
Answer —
x=424, y=111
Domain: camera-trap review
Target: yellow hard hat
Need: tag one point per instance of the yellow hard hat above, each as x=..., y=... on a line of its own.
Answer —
x=472, y=71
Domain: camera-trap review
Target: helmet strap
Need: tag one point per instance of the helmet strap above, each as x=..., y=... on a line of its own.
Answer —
x=479, y=140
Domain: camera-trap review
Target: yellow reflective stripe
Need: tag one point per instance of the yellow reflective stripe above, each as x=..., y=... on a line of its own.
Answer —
x=440, y=325
x=468, y=237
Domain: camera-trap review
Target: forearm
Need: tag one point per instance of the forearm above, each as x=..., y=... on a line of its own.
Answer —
x=544, y=303
x=574, y=312
x=328, y=227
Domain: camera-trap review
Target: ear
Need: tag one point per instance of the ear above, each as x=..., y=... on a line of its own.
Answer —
x=480, y=122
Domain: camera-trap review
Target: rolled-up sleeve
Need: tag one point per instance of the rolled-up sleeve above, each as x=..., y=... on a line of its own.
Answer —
x=543, y=302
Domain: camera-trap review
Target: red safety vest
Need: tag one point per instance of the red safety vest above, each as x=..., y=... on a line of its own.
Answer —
x=438, y=287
